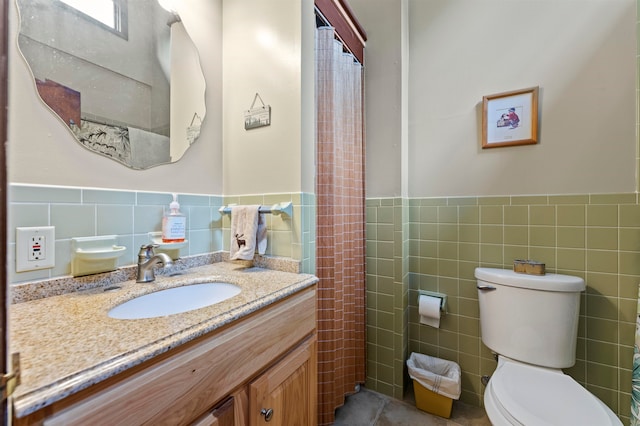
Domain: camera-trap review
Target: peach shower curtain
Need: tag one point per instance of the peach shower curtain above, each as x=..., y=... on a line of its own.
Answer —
x=340, y=238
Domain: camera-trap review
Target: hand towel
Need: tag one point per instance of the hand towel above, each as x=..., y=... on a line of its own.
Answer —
x=248, y=231
x=261, y=236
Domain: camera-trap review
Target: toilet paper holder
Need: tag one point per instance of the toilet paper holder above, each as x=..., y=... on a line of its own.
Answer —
x=441, y=296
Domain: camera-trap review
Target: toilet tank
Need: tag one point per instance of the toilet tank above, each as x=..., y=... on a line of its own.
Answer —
x=530, y=318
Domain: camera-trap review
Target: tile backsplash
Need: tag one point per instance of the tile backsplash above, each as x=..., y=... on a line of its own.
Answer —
x=131, y=215
x=85, y=212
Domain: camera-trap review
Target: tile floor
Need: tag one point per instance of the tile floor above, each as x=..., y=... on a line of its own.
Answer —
x=369, y=408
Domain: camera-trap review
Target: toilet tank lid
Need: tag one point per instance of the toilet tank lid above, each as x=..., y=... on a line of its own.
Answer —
x=548, y=282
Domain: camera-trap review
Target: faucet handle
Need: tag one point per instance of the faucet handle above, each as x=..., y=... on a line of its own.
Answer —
x=146, y=250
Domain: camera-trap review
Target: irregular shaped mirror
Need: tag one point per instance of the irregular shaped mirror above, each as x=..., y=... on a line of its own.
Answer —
x=123, y=75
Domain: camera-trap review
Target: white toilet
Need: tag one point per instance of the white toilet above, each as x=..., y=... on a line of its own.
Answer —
x=531, y=322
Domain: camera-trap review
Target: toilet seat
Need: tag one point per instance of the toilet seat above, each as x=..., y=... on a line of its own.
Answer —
x=531, y=395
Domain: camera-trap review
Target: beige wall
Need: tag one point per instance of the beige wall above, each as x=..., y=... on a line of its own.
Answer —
x=263, y=53
x=581, y=54
x=383, y=94
x=41, y=150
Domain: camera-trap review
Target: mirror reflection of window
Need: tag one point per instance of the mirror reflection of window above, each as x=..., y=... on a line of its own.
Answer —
x=108, y=12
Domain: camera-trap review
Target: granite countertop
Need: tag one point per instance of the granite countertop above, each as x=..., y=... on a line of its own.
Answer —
x=68, y=343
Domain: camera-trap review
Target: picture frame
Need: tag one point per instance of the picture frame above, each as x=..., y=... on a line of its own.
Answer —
x=510, y=118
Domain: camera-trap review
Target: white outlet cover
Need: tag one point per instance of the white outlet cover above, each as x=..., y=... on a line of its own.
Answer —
x=23, y=236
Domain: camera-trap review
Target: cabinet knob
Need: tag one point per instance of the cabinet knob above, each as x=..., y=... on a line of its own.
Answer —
x=267, y=413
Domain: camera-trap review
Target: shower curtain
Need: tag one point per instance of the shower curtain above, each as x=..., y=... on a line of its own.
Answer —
x=340, y=238
x=635, y=379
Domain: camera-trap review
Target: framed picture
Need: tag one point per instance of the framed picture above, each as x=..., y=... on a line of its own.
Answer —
x=510, y=118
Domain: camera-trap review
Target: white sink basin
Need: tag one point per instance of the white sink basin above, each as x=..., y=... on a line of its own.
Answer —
x=174, y=300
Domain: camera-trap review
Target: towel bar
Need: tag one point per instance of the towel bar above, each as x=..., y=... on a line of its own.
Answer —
x=285, y=208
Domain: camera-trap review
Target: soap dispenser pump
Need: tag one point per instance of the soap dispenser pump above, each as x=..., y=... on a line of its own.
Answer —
x=174, y=223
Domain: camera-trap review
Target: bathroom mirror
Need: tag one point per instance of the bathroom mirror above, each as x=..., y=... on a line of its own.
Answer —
x=127, y=82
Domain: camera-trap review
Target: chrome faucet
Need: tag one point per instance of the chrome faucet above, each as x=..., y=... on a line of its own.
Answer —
x=147, y=260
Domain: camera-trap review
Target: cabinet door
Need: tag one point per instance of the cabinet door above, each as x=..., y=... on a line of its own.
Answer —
x=285, y=395
x=241, y=406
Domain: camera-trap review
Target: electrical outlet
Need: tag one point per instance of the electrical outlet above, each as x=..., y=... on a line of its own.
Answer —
x=35, y=248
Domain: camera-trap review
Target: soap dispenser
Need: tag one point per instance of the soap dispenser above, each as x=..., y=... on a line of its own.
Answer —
x=174, y=223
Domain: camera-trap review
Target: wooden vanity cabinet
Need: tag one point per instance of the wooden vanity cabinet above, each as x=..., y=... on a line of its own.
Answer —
x=266, y=360
x=286, y=394
x=283, y=395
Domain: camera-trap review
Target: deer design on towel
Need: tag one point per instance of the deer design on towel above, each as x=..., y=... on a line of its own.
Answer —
x=240, y=241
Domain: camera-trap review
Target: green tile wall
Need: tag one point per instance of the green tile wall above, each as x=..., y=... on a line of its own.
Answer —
x=387, y=292
x=596, y=237
x=131, y=215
